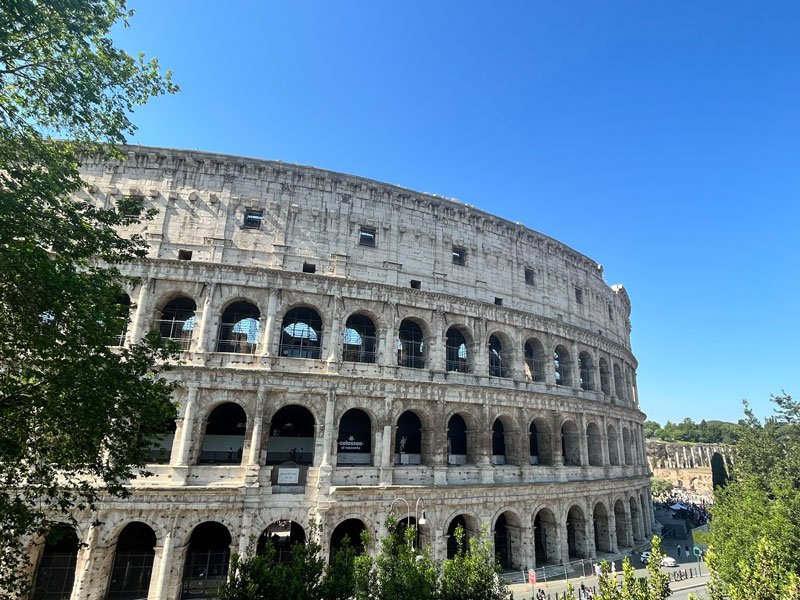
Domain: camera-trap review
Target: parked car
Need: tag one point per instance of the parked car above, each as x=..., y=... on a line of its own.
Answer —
x=666, y=561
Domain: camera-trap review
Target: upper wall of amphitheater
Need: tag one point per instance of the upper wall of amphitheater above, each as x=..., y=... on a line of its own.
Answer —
x=316, y=219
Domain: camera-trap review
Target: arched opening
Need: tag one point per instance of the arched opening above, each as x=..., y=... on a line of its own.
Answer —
x=158, y=450
x=533, y=443
x=55, y=573
x=626, y=446
x=563, y=366
x=239, y=328
x=291, y=437
x=279, y=538
x=619, y=389
x=499, y=361
x=498, y=443
x=576, y=533
x=408, y=440
x=123, y=312
x=349, y=529
x=410, y=345
x=301, y=334
x=602, y=534
x=207, y=558
x=629, y=385
x=457, y=352
x=470, y=527
x=354, y=444
x=586, y=368
x=544, y=441
x=613, y=446
x=621, y=525
x=534, y=360
x=360, y=343
x=636, y=520
x=223, y=442
x=570, y=444
x=594, y=443
x=406, y=522
x=605, y=385
x=133, y=563
x=545, y=538
x=177, y=320
x=507, y=540
x=456, y=441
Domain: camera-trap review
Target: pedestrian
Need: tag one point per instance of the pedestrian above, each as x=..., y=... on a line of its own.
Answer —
x=688, y=554
x=613, y=568
x=678, y=555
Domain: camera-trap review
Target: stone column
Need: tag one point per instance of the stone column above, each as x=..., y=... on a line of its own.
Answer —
x=140, y=317
x=332, y=348
x=583, y=439
x=563, y=541
x=387, y=350
x=327, y=441
x=480, y=360
x=162, y=568
x=612, y=530
x=436, y=343
x=205, y=340
x=387, y=457
x=575, y=366
x=558, y=449
x=604, y=442
x=83, y=566
x=186, y=427
x=268, y=321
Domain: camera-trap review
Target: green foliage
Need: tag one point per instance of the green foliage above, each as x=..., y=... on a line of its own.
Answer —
x=705, y=432
x=654, y=587
x=73, y=411
x=472, y=574
x=719, y=474
x=757, y=515
x=660, y=486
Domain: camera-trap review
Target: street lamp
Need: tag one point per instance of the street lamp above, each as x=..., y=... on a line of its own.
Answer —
x=418, y=521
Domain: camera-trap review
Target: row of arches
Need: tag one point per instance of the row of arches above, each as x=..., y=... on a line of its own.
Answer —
x=302, y=330
x=292, y=438
x=547, y=537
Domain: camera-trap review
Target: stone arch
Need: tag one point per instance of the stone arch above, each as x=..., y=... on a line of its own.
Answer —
x=619, y=387
x=605, y=376
x=360, y=339
x=626, y=446
x=602, y=532
x=586, y=371
x=613, y=445
x=282, y=535
x=301, y=333
x=471, y=527
x=535, y=360
x=411, y=343
x=545, y=440
x=546, y=538
x=349, y=529
x=207, y=558
x=570, y=443
x=408, y=439
x=500, y=355
x=224, y=435
x=354, y=442
x=55, y=571
x=577, y=546
x=292, y=436
x=133, y=562
x=507, y=531
x=457, y=441
x=594, y=443
x=239, y=328
x=177, y=319
x=458, y=349
x=562, y=363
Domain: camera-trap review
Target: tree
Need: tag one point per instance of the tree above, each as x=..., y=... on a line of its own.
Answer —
x=659, y=485
x=75, y=413
x=403, y=572
x=472, y=574
x=653, y=587
x=756, y=516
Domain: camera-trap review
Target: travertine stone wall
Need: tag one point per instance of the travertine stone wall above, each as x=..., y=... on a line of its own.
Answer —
x=571, y=477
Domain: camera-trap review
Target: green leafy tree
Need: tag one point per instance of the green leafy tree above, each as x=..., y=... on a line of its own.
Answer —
x=73, y=411
x=653, y=587
x=757, y=514
x=660, y=486
x=473, y=573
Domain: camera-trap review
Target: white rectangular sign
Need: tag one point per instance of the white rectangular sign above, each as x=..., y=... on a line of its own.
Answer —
x=288, y=475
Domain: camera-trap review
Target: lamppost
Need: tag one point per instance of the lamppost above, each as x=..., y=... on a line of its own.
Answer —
x=418, y=522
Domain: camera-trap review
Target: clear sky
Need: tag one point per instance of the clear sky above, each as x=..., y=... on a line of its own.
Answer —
x=659, y=138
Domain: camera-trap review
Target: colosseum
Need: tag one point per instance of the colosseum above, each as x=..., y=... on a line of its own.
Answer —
x=353, y=349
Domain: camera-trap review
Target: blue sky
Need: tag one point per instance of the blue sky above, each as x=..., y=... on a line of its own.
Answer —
x=659, y=138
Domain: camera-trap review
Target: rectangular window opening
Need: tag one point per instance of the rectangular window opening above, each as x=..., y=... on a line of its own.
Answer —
x=309, y=268
x=416, y=284
x=459, y=255
x=578, y=295
x=366, y=236
x=530, y=277
x=253, y=218
x=498, y=301
x=131, y=206
x=184, y=255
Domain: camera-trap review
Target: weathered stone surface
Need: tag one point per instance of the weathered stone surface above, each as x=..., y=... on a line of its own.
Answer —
x=587, y=465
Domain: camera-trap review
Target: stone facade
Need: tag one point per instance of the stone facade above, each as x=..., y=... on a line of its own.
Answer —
x=686, y=466
x=352, y=349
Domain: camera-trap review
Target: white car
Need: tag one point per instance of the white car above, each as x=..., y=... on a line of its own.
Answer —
x=666, y=561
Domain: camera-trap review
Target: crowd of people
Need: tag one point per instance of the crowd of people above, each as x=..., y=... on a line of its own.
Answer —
x=688, y=508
